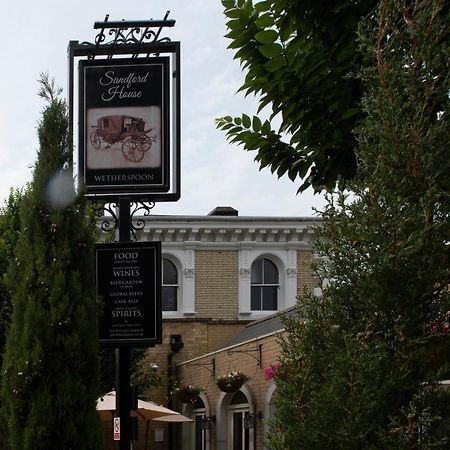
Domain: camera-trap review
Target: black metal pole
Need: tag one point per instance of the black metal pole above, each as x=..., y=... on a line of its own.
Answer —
x=123, y=396
x=123, y=390
x=169, y=397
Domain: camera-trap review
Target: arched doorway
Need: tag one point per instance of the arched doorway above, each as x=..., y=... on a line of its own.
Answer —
x=199, y=441
x=235, y=420
x=196, y=435
x=239, y=424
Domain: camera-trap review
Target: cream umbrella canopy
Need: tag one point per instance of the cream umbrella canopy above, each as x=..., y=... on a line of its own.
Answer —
x=106, y=405
x=173, y=418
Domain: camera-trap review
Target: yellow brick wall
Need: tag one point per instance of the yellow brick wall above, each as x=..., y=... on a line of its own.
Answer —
x=305, y=276
x=199, y=337
x=243, y=361
x=216, y=284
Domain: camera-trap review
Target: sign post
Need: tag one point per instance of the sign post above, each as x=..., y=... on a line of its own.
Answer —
x=129, y=153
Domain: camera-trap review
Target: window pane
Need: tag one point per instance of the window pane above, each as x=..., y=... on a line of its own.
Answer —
x=198, y=433
x=255, y=303
x=237, y=430
x=239, y=398
x=270, y=272
x=169, y=272
x=246, y=434
x=169, y=298
x=198, y=404
x=270, y=298
x=257, y=272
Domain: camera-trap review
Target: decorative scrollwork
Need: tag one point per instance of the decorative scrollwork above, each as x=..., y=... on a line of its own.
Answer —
x=109, y=218
x=128, y=33
x=109, y=222
x=139, y=210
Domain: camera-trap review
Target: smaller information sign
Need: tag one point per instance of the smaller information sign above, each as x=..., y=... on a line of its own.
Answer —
x=116, y=428
x=129, y=286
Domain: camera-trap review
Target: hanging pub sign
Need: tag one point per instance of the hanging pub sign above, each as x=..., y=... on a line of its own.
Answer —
x=129, y=288
x=124, y=125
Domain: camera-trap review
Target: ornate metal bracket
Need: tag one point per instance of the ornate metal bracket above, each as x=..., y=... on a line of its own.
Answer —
x=131, y=32
x=138, y=224
x=248, y=352
x=205, y=365
x=109, y=219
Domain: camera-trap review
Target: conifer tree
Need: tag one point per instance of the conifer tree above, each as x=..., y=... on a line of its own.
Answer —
x=50, y=367
x=9, y=230
x=363, y=369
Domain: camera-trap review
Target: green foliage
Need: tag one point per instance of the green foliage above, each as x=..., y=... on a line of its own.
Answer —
x=140, y=373
x=298, y=56
x=9, y=230
x=363, y=368
x=50, y=366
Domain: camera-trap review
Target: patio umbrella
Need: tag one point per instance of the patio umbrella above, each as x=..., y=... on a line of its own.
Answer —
x=106, y=406
x=173, y=418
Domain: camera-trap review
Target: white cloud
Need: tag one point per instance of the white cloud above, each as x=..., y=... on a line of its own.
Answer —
x=213, y=172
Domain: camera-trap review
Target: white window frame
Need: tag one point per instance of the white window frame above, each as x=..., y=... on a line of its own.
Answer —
x=184, y=261
x=262, y=285
x=285, y=259
x=177, y=285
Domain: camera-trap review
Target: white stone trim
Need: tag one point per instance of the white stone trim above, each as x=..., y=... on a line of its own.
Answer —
x=184, y=261
x=286, y=261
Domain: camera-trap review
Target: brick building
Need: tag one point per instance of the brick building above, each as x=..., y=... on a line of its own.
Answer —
x=225, y=278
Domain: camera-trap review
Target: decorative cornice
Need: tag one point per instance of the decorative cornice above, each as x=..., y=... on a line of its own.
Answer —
x=243, y=232
x=229, y=232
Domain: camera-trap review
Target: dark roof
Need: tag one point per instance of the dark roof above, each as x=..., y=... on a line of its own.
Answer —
x=262, y=327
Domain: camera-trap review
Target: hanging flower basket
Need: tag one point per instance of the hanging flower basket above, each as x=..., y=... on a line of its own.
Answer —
x=231, y=382
x=188, y=393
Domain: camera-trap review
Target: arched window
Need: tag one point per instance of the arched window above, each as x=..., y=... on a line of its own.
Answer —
x=239, y=411
x=264, y=285
x=170, y=286
x=199, y=413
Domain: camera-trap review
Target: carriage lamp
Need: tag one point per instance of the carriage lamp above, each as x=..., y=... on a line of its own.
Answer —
x=206, y=422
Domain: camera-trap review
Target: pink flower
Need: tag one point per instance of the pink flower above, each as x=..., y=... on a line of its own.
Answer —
x=441, y=328
x=268, y=373
x=271, y=371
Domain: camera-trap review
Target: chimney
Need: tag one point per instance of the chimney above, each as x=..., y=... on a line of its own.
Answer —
x=224, y=211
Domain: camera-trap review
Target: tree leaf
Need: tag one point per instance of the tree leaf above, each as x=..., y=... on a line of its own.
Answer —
x=275, y=64
x=246, y=122
x=262, y=6
x=266, y=36
x=270, y=50
x=264, y=21
x=256, y=124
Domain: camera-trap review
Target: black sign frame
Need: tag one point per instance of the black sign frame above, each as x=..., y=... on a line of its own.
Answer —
x=113, y=92
x=129, y=285
x=133, y=50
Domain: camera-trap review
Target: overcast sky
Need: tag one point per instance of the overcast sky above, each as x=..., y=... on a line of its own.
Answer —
x=34, y=37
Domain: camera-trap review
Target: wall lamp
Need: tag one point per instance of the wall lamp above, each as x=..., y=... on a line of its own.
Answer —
x=206, y=422
x=250, y=420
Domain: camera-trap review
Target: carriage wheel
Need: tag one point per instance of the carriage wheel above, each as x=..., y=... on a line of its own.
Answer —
x=133, y=150
x=146, y=143
x=95, y=139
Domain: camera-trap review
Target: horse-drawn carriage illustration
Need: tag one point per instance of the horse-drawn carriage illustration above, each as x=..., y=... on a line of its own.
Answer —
x=126, y=129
